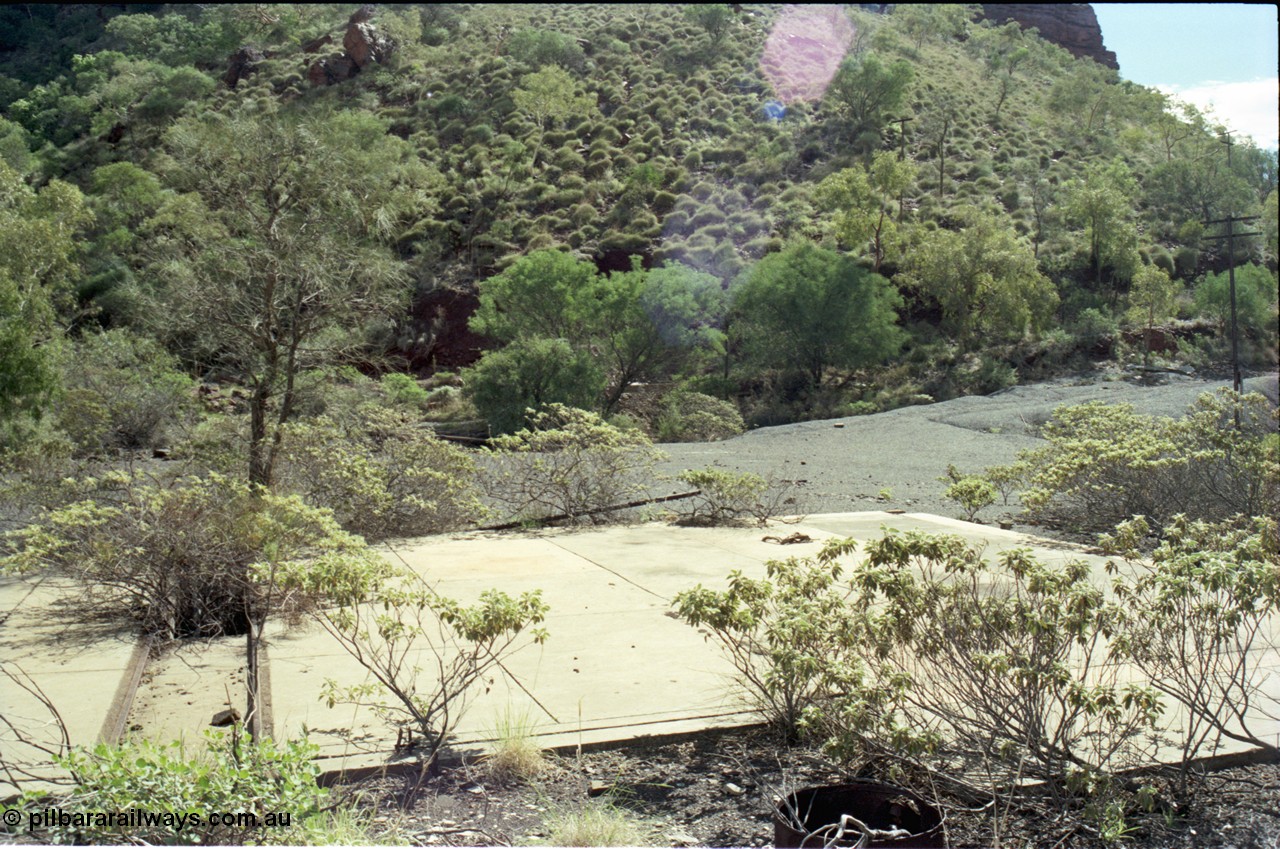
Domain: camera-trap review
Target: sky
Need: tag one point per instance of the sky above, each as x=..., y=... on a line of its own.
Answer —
x=1221, y=56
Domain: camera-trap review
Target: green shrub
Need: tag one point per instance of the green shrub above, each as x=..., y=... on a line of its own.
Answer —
x=695, y=417
x=569, y=463
x=724, y=497
x=381, y=473
x=270, y=787
x=198, y=558
x=1193, y=616
x=527, y=374
x=403, y=391
x=972, y=492
x=1104, y=464
x=122, y=391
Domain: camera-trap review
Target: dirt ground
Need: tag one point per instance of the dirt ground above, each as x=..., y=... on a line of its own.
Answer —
x=721, y=790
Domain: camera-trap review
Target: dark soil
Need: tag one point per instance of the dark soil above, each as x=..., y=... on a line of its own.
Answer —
x=720, y=789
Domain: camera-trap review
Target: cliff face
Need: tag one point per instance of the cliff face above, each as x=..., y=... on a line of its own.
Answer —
x=1073, y=26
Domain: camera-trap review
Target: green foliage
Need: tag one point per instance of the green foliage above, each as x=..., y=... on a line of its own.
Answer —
x=628, y=326
x=985, y=279
x=1104, y=463
x=380, y=473
x=1101, y=203
x=933, y=20
x=1256, y=301
x=198, y=558
x=811, y=308
x=538, y=48
x=38, y=232
x=1152, y=297
x=528, y=374
x=724, y=496
x=793, y=639
x=972, y=492
x=569, y=463
x=1005, y=659
x=868, y=92
x=389, y=630
x=550, y=95
x=547, y=293
x=227, y=773
x=694, y=417
x=715, y=18
x=274, y=259
x=861, y=201
x=1192, y=616
x=403, y=391
x=121, y=391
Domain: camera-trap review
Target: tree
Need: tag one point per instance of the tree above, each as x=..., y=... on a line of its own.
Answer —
x=1005, y=50
x=813, y=308
x=1152, y=297
x=275, y=256
x=633, y=325
x=712, y=17
x=984, y=277
x=547, y=293
x=650, y=321
x=38, y=233
x=866, y=90
x=1102, y=204
x=550, y=95
x=929, y=20
x=1255, y=300
x=861, y=199
x=528, y=374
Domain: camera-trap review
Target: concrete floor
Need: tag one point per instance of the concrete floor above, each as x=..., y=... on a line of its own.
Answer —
x=616, y=666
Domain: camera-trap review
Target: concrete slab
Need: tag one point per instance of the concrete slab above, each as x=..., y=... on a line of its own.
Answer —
x=78, y=666
x=617, y=665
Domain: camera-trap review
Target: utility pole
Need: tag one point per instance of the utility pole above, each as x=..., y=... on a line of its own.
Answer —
x=1236, y=383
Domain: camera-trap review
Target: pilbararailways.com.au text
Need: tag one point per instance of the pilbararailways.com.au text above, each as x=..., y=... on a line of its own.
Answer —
x=136, y=818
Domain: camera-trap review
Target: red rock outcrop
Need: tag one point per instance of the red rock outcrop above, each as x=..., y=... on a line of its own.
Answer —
x=362, y=45
x=1073, y=26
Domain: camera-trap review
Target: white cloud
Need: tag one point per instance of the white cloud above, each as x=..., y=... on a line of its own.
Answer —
x=1250, y=108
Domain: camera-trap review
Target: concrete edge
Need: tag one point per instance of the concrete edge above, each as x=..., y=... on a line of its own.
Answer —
x=453, y=758
x=113, y=726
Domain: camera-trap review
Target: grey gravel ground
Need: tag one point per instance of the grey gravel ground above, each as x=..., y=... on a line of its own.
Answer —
x=844, y=464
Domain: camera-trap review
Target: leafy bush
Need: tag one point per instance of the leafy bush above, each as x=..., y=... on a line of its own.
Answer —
x=925, y=645
x=381, y=473
x=793, y=638
x=122, y=391
x=695, y=417
x=1005, y=660
x=972, y=492
x=269, y=788
x=1255, y=301
x=724, y=496
x=569, y=463
x=1105, y=463
x=195, y=559
x=1194, y=616
x=403, y=390
x=388, y=630
x=528, y=373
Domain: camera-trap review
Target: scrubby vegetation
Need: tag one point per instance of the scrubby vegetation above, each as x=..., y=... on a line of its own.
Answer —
x=236, y=303
x=606, y=181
